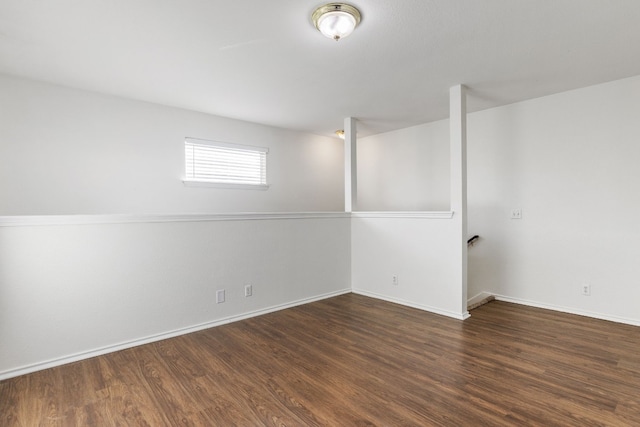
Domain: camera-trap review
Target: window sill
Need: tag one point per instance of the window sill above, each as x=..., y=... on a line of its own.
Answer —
x=204, y=184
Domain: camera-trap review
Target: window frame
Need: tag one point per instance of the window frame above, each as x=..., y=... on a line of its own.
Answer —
x=194, y=182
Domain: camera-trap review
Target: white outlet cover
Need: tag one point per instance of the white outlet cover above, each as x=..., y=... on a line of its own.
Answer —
x=220, y=296
x=516, y=213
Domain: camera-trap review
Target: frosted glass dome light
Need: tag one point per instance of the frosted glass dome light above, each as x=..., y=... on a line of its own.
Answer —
x=336, y=20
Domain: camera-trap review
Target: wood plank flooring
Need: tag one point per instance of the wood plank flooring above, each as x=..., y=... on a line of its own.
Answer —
x=352, y=361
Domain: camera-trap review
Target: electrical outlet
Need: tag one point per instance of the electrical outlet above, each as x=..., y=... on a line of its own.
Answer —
x=248, y=290
x=394, y=280
x=516, y=213
x=586, y=289
x=220, y=296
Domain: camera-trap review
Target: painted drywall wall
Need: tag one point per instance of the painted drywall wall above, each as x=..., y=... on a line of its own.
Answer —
x=416, y=258
x=570, y=162
x=66, y=151
x=405, y=170
x=408, y=260
x=79, y=278
x=72, y=291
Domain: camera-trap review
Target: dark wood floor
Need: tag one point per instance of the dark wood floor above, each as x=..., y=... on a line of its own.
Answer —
x=352, y=361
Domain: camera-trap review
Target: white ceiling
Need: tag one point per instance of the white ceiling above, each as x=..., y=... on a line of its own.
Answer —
x=263, y=61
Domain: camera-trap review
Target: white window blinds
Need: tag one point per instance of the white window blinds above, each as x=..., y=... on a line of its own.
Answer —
x=224, y=164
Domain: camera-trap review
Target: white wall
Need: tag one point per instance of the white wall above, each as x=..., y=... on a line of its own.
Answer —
x=420, y=251
x=72, y=291
x=65, y=151
x=410, y=170
x=570, y=162
x=405, y=170
x=94, y=252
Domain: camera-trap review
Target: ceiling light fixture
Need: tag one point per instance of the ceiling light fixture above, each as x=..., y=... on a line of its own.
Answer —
x=336, y=20
x=340, y=134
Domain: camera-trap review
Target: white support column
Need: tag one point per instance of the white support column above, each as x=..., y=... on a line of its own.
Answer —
x=350, y=165
x=458, y=143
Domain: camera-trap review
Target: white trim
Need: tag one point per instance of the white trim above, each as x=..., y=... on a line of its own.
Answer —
x=434, y=310
x=408, y=214
x=350, y=165
x=633, y=322
x=205, y=184
x=43, y=220
x=158, y=337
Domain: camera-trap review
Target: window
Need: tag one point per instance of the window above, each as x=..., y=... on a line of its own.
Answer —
x=220, y=164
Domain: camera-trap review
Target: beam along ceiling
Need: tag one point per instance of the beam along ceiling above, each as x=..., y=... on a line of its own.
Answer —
x=263, y=61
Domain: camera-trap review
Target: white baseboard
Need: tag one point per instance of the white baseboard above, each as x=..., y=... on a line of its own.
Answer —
x=182, y=331
x=458, y=316
x=159, y=337
x=482, y=295
x=633, y=322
